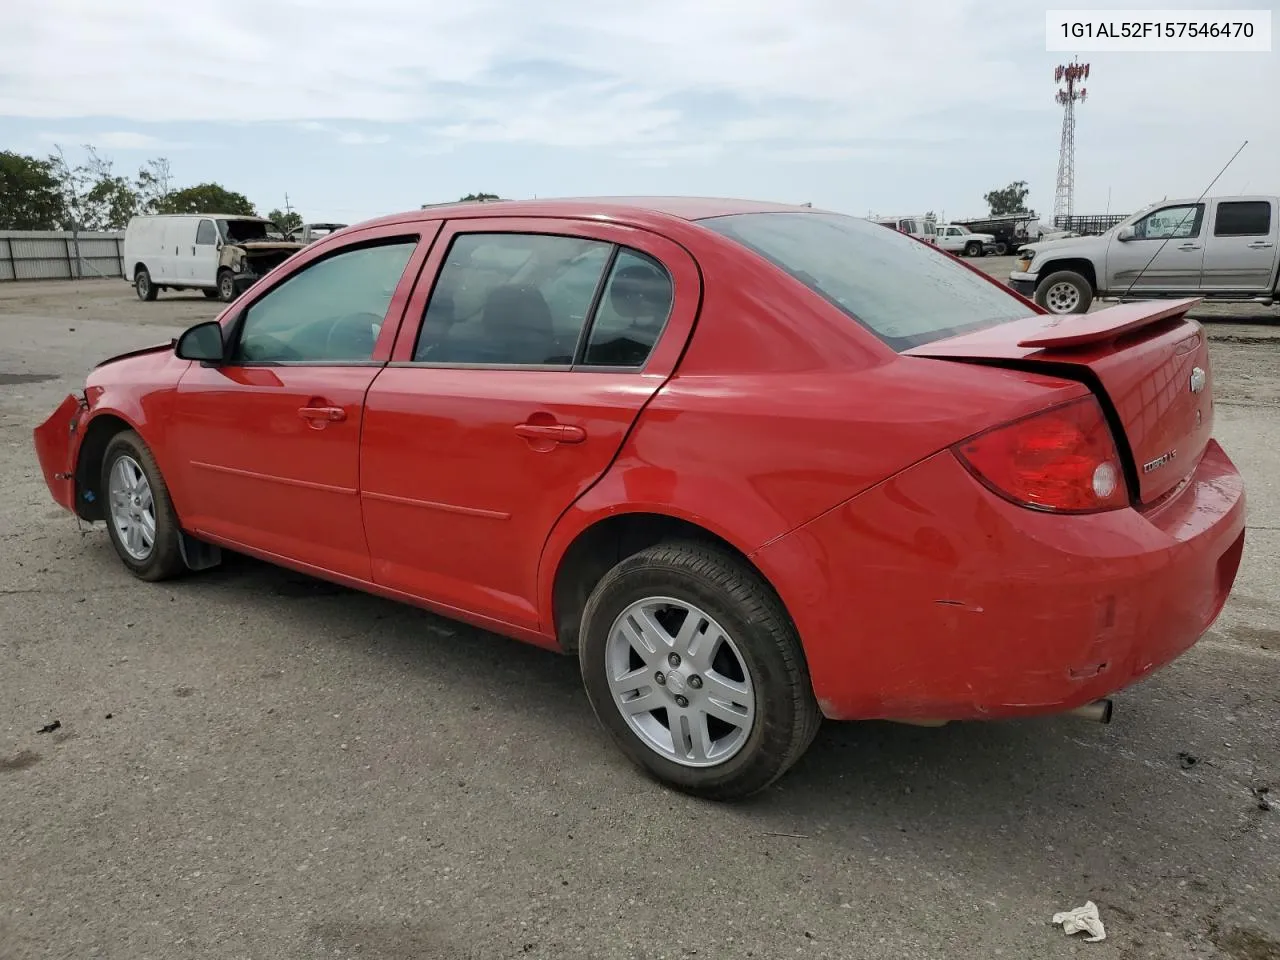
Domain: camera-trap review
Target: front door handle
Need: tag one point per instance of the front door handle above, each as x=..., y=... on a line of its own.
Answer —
x=556, y=432
x=1259, y=244
x=326, y=414
x=1189, y=246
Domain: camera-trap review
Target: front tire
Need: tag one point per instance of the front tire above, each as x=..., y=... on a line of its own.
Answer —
x=142, y=285
x=692, y=664
x=226, y=286
x=973, y=250
x=140, y=517
x=1065, y=292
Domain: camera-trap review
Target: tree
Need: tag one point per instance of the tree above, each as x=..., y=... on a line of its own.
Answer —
x=95, y=198
x=207, y=198
x=30, y=197
x=478, y=197
x=1012, y=199
x=288, y=222
x=153, y=186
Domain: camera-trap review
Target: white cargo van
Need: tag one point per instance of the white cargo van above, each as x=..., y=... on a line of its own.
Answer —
x=219, y=254
x=914, y=226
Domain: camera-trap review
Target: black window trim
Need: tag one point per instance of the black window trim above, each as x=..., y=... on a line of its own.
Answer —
x=1217, y=214
x=237, y=325
x=575, y=365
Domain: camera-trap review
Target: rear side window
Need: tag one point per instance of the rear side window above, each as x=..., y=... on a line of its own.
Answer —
x=511, y=299
x=1243, y=218
x=903, y=291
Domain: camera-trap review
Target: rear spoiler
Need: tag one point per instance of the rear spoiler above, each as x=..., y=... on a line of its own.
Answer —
x=1022, y=338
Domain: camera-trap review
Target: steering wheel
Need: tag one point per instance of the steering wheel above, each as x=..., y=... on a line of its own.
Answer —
x=360, y=331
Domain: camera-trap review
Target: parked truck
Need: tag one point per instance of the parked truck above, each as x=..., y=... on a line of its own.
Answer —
x=1223, y=249
x=1009, y=232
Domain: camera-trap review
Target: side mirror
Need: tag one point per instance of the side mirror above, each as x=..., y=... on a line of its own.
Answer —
x=203, y=342
x=1125, y=234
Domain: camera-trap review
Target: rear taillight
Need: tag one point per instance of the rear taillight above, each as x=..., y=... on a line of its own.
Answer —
x=1063, y=459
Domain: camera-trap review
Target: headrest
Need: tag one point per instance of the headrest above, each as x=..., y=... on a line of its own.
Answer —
x=640, y=291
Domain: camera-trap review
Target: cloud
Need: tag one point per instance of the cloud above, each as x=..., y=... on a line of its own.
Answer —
x=348, y=138
x=659, y=82
x=113, y=140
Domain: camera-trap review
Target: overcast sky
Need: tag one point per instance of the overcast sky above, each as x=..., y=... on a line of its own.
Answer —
x=854, y=105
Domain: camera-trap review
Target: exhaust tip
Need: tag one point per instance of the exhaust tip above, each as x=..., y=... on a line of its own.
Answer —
x=1099, y=711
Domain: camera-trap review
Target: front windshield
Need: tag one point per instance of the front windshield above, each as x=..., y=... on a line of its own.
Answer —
x=238, y=231
x=904, y=291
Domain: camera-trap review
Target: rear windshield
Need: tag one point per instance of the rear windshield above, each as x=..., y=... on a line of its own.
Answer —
x=902, y=290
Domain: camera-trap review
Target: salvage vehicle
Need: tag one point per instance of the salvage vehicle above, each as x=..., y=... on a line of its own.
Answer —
x=217, y=253
x=1220, y=249
x=311, y=232
x=752, y=464
x=954, y=238
x=920, y=227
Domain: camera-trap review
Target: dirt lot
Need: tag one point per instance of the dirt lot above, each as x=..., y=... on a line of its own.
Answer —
x=253, y=764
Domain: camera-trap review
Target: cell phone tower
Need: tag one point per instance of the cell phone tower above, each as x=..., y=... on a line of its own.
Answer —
x=1067, y=76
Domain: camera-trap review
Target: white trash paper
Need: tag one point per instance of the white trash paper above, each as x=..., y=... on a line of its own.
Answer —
x=1082, y=919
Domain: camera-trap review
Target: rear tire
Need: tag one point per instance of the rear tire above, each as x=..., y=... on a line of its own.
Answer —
x=1065, y=292
x=140, y=517
x=142, y=285
x=226, y=286
x=1002, y=248
x=735, y=681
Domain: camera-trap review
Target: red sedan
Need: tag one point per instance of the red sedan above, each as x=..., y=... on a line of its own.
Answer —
x=753, y=464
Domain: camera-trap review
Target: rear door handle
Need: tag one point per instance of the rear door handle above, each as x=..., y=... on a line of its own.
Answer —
x=1189, y=246
x=327, y=414
x=559, y=432
x=1259, y=244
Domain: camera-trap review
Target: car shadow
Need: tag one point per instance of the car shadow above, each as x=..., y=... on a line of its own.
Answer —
x=1044, y=793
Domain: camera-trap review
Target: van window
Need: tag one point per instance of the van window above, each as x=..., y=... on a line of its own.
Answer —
x=206, y=234
x=903, y=291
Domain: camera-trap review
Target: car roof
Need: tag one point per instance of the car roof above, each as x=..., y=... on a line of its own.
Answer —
x=625, y=209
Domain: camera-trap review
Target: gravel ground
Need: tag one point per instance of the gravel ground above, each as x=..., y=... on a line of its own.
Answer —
x=254, y=764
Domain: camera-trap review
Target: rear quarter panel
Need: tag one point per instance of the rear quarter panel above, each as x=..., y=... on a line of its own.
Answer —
x=782, y=408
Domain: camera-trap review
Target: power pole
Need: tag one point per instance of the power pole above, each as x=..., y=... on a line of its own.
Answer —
x=287, y=209
x=1067, y=75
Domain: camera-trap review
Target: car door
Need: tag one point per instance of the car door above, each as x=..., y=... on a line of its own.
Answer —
x=269, y=440
x=204, y=253
x=539, y=343
x=1240, y=252
x=1164, y=255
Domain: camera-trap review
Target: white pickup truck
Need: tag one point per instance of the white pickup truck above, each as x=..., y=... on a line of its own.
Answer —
x=957, y=239
x=1218, y=248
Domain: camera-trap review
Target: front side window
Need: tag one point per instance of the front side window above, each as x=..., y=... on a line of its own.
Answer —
x=1170, y=223
x=511, y=299
x=905, y=292
x=1242, y=218
x=206, y=233
x=330, y=311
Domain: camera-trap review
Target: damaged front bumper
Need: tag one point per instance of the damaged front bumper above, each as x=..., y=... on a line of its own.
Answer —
x=57, y=443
